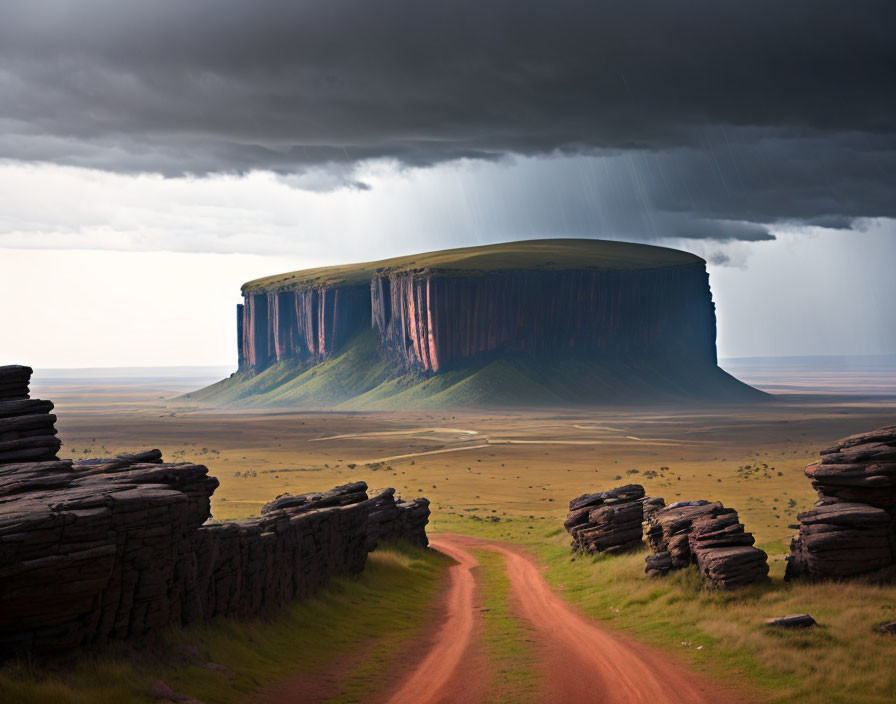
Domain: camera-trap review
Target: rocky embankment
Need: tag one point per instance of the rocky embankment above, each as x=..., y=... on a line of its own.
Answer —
x=851, y=531
x=708, y=534
x=116, y=548
x=389, y=518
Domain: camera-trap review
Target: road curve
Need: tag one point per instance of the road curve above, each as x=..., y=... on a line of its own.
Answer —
x=581, y=663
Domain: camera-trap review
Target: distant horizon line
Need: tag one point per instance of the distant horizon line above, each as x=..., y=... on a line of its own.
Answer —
x=220, y=366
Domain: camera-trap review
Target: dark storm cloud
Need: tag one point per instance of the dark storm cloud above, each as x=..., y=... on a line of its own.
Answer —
x=758, y=111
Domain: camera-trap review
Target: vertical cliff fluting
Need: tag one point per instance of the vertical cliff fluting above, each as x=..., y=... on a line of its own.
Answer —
x=432, y=320
x=304, y=324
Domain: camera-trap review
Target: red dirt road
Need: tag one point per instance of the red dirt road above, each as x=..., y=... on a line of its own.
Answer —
x=438, y=677
x=580, y=662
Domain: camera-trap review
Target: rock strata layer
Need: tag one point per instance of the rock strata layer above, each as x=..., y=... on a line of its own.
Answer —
x=27, y=428
x=608, y=521
x=390, y=518
x=851, y=531
x=115, y=548
x=708, y=534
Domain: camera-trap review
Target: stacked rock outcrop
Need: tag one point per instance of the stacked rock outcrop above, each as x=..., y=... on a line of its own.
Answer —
x=851, y=531
x=390, y=517
x=114, y=548
x=608, y=521
x=27, y=428
x=393, y=518
x=14, y=381
x=708, y=534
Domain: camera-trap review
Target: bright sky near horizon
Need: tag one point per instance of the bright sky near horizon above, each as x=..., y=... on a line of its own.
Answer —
x=153, y=267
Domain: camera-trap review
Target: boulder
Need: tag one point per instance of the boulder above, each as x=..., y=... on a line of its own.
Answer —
x=792, y=621
x=607, y=521
x=709, y=535
x=851, y=531
x=838, y=540
x=887, y=629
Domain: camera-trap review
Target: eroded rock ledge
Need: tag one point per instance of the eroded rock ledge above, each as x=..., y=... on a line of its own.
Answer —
x=851, y=531
x=116, y=548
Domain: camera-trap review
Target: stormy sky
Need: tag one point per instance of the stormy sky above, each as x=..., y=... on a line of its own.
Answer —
x=137, y=138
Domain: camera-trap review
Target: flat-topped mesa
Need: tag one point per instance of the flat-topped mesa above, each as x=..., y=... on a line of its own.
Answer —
x=851, y=531
x=558, y=322
x=27, y=428
x=708, y=534
x=608, y=521
x=611, y=299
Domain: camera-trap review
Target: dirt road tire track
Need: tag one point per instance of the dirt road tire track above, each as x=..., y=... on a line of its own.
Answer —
x=439, y=678
x=582, y=664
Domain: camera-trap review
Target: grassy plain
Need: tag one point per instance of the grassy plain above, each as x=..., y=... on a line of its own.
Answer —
x=509, y=475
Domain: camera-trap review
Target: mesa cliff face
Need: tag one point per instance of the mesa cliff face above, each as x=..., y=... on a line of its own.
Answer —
x=306, y=324
x=433, y=321
x=566, y=320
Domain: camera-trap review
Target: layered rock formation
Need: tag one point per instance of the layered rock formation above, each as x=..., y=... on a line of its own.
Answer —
x=624, y=312
x=390, y=518
x=27, y=428
x=608, y=521
x=709, y=535
x=434, y=320
x=306, y=324
x=115, y=548
x=14, y=382
x=851, y=531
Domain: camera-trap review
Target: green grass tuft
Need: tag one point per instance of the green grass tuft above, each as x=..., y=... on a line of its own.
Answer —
x=508, y=640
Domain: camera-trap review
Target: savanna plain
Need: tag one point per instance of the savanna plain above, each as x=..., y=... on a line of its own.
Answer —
x=503, y=476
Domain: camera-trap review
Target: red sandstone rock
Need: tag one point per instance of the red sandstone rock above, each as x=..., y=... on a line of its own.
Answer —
x=608, y=521
x=851, y=532
x=709, y=535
